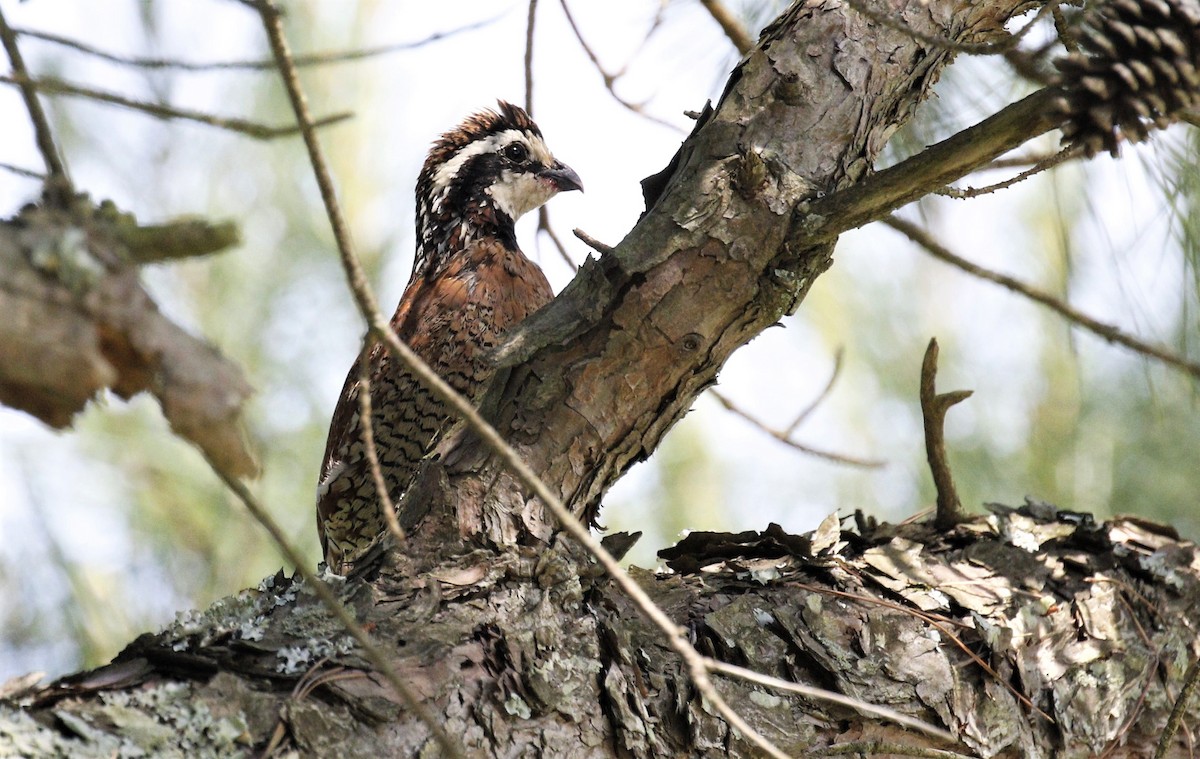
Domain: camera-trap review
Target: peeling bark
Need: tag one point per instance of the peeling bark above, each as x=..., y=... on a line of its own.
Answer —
x=596, y=379
x=1030, y=633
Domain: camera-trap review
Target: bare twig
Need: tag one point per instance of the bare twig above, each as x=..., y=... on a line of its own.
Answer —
x=827, y=695
x=371, y=651
x=529, y=26
x=273, y=26
x=609, y=79
x=592, y=242
x=365, y=299
x=368, y=436
x=52, y=86
x=784, y=437
x=1060, y=157
x=1190, y=681
x=934, y=406
x=302, y=61
x=183, y=238
x=41, y=125
x=887, y=748
x=838, y=357
x=544, y=225
x=1106, y=331
x=29, y=173
x=729, y=24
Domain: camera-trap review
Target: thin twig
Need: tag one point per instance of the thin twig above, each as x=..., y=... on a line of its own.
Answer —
x=887, y=748
x=729, y=24
x=273, y=25
x=29, y=173
x=1190, y=681
x=41, y=125
x=53, y=86
x=365, y=299
x=302, y=61
x=366, y=422
x=784, y=437
x=544, y=225
x=600, y=247
x=934, y=406
x=1106, y=331
x=827, y=695
x=812, y=406
x=373, y=653
x=610, y=80
x=529, y=26
x=1060, y=157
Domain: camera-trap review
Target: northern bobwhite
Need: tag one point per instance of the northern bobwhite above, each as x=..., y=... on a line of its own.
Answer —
x=470, y=283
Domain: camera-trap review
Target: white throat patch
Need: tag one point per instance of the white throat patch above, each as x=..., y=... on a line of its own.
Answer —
x=518, y=194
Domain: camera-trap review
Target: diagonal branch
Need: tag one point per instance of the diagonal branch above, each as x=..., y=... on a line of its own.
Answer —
x=367, y=423
x=609, y=79
x=1106, y=331
x=530, y=23
x=53, y=86
x=784, y=436
x=302, y=61
x=729, y=24
x=935, y=167
x=41, y=125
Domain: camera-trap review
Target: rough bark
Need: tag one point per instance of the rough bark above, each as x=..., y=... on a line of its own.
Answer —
x=529, y=652
x=597, y=378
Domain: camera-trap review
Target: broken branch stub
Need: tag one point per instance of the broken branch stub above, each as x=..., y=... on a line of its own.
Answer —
x=933, y=410
x=78, y=322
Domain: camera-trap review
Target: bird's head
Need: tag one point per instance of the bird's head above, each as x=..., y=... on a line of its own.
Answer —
x=482, y=176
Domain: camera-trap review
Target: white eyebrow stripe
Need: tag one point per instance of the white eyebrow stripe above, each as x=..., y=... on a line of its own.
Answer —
x=492, y=143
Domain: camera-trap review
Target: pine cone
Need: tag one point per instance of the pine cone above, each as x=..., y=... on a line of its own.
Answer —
x=1137, y=68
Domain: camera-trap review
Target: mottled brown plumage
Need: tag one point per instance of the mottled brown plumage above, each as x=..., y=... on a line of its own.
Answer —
x=470, y=283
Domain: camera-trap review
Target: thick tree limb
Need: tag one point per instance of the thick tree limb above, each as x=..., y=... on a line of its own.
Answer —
x=77, y=321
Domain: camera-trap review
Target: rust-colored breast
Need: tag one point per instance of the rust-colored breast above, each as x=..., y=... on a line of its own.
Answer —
x=452, y=320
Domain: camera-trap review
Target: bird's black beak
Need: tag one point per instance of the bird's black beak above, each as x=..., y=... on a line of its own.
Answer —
x=563, y=177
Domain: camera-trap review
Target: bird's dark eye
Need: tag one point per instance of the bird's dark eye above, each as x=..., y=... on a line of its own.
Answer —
x=516, y=152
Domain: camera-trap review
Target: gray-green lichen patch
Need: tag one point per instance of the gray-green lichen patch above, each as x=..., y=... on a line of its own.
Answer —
x=166, y=720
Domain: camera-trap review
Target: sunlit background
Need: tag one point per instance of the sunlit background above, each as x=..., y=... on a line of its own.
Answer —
x=107, y=530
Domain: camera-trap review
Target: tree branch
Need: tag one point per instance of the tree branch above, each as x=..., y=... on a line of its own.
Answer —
x=1106, y=331
x=53, y=86
x=729, y=24
x=302, y=61
x=785, y=436
x=41, y=126
x=877, y=195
